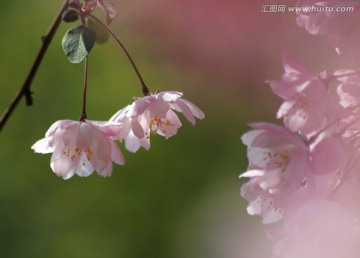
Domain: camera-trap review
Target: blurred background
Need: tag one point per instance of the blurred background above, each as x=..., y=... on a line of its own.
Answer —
x=181, y=198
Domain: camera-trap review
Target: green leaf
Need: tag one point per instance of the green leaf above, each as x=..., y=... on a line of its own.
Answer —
x=77, y=43
x=102, y=35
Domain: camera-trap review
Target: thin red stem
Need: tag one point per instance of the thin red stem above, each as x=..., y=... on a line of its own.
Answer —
x=83, y=115
x=145, y=89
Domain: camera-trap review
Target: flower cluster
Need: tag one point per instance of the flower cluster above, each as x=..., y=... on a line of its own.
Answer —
x=306, y=174
x=82, y=147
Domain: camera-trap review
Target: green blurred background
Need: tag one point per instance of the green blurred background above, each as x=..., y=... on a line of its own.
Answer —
x=179, y=199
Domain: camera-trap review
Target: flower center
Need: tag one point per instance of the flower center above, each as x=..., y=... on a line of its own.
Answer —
x=277, y=159
x=72, y=154
x=158, y=124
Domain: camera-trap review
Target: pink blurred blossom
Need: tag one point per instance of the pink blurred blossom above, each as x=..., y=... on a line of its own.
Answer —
x=321, y=229
x=341, y=28
x=309, y=102
x=279, y=170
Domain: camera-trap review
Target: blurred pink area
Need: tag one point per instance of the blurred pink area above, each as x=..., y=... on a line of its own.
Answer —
x=230, y=45
x=224, y=36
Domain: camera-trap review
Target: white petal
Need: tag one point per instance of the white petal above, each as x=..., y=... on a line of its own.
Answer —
x=186, y=111
x=43, y=146
x=145, y=143
x=272, y=216
x=84, y=167
x=254, y=207
x=194, y=109
x=120, y=115
x=116, y=154
x=132, y=143
x=109, y=128
x=169, y=96
x=140, y=105
x=64, y=166
x=252, y=173
x=58, y=125
x=136, y=127
x=171, y=129
x=106, y=171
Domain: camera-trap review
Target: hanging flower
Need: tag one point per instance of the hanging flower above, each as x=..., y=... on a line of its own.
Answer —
x=81, y=147
x=154, y=114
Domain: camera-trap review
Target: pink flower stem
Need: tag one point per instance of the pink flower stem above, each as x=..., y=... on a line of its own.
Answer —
x=145, y=89
x=25, y=89
x=83, y=115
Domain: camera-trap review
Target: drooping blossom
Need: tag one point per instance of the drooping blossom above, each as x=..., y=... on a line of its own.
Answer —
x=340, y=26
x=81, y=147
x=154, y=114
x=279, y=170
x=107, y=7
x=309, y=101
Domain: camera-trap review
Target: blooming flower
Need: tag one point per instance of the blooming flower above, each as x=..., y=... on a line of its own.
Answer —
x=81, y=147
x=154, y=114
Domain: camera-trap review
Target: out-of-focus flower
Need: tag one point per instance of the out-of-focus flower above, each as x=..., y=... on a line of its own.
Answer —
x=307, y=174
x=107, y=7
x=309, y=104
x=340, y=27
x=320, y=228
x=279, y=170
x=81, y=147
x=154, y=114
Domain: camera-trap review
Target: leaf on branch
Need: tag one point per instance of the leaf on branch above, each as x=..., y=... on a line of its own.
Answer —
x=77, y=43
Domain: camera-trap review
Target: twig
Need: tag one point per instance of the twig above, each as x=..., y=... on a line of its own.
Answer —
x=25, y=89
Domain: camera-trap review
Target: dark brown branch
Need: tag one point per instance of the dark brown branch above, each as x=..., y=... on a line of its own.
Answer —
x=25, y=89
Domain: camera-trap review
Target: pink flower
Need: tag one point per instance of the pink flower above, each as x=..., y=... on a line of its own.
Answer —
x=132, y=132
x=309, y=104
x=279, y=170
x=154, y=114
x=341, y=28
x=108, y=8
x=81, y=147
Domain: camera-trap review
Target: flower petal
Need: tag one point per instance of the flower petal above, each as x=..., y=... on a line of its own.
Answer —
x=43, y=146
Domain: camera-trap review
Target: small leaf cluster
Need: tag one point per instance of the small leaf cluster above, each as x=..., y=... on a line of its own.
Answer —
x=79, y=41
